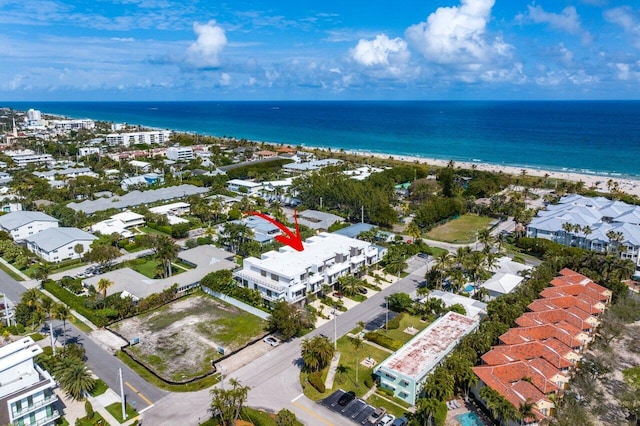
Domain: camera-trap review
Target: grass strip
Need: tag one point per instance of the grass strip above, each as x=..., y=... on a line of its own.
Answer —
x=11, y=272
x=115, y=410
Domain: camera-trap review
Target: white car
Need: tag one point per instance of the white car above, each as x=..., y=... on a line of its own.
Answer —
x=271, y=341
x=387, y=420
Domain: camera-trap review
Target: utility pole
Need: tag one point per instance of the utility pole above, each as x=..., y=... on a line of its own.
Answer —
x=362, y=214
x=53, y=344
x=6, y=310
x=335, y=330
x=124, y=411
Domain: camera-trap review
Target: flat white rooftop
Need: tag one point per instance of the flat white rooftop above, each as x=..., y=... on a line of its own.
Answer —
x=422, y=353
x=317, y=249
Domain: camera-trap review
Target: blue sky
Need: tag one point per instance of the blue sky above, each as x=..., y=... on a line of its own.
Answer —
x=374, y=49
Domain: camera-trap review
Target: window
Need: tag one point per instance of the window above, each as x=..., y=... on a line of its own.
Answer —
x=274, y=277
x=263, y=273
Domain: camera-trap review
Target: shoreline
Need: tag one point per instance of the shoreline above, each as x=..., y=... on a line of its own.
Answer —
x=626, y=184
x=597, y=180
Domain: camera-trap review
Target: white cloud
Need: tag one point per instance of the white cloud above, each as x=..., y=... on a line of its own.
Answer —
x=568, y=21
x=380, y=51
x=625, y=17
x=457, y=34
x=225, y=79
x=123, y=39
x=204, y=52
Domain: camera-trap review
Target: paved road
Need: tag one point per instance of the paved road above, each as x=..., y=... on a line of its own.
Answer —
x=274, y=377
x=101, y=361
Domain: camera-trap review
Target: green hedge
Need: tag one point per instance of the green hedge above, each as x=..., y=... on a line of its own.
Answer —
x=383, y=340
x=394, y=324
x=440, y=416
x=315, y=379
x=75, y=302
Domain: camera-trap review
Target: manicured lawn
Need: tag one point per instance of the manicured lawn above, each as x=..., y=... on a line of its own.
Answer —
x=377, y=401
x=460, y=230
x=115, y=410
x=407, y=320
x=10, y=272
x=99, y=388
x=149, y=267
x=347, y=380
x=148, y=230
x=92, y=422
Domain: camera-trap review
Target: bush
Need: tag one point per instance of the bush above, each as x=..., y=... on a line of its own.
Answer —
x=440, y=416
x=315, y=379
x=89, y=409
x=368, y=382
x=20, y=328
x=383, y=340
x=394, y=324
x=387, y=392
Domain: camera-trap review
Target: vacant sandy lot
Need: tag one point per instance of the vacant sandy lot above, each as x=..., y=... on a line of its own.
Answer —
x=179, y=340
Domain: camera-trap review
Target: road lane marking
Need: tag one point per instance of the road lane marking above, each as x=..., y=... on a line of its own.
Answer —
x=147, y=400
x=317, y=416
x=297, y=397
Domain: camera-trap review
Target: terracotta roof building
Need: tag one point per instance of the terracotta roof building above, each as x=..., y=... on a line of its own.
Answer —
x=535, y=359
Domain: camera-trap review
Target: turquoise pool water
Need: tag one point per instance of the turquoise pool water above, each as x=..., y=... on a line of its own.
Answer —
x=469, y=419
x=469, y=288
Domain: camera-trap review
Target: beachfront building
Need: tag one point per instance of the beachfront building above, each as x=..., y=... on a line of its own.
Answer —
x=147, y=138
x=69, y=125
x=310, y=166
x=407, y=369
x=58, y=244
x=597, y=224
x=21, y=224
x=534, y=361
x=26, y=390
x=291, y=275
x=180, y=153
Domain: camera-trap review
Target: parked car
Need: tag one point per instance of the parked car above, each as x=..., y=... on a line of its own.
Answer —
x=271, y=341
x=347, y=398
x=386, y=420
x=338, y=294
x=423, y=255
x=377, y=415
x=363, y=290
x=400, y=421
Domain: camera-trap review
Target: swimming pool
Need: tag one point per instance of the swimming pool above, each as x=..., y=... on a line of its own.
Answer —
x=469, y=288
x=469, y=419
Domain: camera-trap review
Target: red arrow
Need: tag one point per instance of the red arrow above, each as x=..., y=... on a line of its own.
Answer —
x=290, y=238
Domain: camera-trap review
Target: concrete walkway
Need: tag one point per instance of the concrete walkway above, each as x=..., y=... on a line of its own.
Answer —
x=331, y=374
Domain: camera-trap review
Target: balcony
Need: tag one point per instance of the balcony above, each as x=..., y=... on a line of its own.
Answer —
x=27, y=409
x=55, y=414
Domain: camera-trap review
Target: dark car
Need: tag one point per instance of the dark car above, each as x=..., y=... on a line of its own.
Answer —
x=347, y=398
x=363, y=290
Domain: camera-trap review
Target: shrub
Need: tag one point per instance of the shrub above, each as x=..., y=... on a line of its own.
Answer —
x=383, y=340
x=368, y=382
x=394, y=324
x=315, y=379
x=20, y=328
x=89, y=409
x=387, y=392
x=440, y=416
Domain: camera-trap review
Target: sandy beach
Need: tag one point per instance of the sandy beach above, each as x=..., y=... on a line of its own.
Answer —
x=597, y=182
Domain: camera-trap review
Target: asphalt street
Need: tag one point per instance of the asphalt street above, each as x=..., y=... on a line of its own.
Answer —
x=138, y=392
x=274, y=378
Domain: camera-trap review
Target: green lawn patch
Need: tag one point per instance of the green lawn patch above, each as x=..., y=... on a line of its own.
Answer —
x=115, y=410
x=461, y=230
x=406, y=322
x=377, y=401
x=96, y=420
x=11, y=272
x=357, y=297
x=99, y=388
x=148, y=230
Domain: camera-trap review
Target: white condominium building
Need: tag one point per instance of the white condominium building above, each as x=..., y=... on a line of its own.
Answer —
x=151, y=137
x=26, y=390
x=177, y=153
x=290, y=275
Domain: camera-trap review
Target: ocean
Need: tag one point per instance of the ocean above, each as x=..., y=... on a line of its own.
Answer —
x=598, y=137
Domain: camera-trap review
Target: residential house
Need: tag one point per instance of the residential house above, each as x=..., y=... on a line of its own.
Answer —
x=26, y=389
x=291, y=275
x=474, y=309
x=58, y=244
x=244, y=186
x=408, y=368
x=22, y=224
x=70, y=173
x=353, y=231
x=501, y=283
x=142, y=180
x=317, y=220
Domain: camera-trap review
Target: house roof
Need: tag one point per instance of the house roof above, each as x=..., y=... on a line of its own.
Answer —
x=53, y=238
x=474, y=308
x=15, y=220
x=315, y=219
x=502, y=283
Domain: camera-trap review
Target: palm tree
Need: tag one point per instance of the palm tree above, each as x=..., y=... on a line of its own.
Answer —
x=525, y=411
x=395, y=263
x=568, y=229
x=426, y=409
x=350, y=285
x=316, y=352
x=587, y=231
x=357, y=344
x=102, y=286
x=74, y=378
x=413, y=230
x=167, y=250
x=63, y=313
x=341, y=370
x=485, y=238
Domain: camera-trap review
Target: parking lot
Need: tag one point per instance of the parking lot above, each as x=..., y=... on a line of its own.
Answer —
x=357, y=410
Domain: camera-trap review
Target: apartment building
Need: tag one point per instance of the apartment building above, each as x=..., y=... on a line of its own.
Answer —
x=58, y=244
x=26, y=390
x=291, y=275
x=21, y=224
x=180, y=153
x=150, y=137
